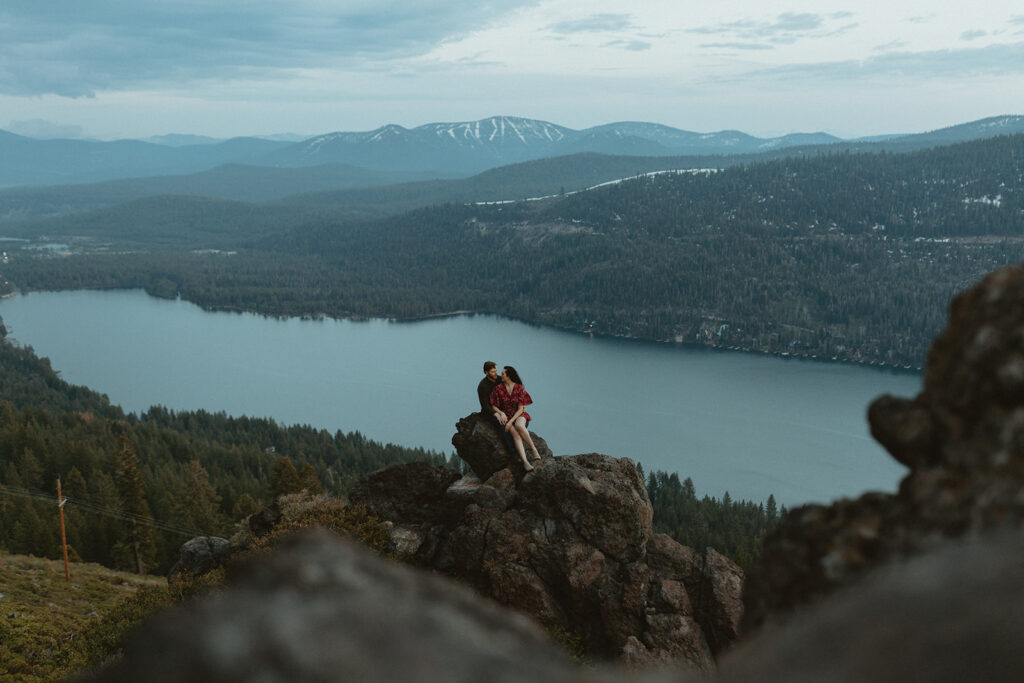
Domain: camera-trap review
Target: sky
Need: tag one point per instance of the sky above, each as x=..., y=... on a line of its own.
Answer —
x=111, y=69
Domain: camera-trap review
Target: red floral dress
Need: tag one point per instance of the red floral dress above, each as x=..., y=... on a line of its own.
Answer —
x=509, y=403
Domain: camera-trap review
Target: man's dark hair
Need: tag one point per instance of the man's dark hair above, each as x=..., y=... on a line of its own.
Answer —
x=488, y=365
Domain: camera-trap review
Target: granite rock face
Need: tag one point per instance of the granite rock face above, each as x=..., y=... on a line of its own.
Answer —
x=478, y=442
x=570, y=544
x=962, y=439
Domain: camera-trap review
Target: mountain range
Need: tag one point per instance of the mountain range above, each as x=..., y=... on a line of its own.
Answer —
x=438, y=149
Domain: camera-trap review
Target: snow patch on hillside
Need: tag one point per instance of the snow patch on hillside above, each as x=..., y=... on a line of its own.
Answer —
x=682, y=171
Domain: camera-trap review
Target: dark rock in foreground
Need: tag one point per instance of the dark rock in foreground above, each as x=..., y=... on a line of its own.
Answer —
x=963, y=440
x=570, y=544
x=326, y=609
x=948, y=616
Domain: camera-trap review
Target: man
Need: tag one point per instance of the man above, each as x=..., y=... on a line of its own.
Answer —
x=490, y=413
x=483, y=392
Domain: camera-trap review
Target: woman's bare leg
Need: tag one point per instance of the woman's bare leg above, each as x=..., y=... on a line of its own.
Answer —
x=524, y=434
x=518, y=441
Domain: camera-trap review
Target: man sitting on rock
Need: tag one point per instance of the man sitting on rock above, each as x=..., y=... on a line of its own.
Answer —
x=492, y=414
x=483, y=392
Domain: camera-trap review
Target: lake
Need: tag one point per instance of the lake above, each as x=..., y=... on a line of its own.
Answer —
x=752, y=425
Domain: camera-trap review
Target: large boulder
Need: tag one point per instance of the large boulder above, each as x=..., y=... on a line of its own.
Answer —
x=571, y=544
x=323, y=608
x=409, y=493
x=947, y=616
x=478, y=441
x=962, y=439
x=199, y=556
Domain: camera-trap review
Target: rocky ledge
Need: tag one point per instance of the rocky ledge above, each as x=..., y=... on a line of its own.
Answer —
x=962, y=439
x=570, y=544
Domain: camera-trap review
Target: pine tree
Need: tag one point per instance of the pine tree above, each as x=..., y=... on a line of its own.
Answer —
x=244, y=506
x=309, y=480
x=197, y=505
x=283, y=478
x=131, y=490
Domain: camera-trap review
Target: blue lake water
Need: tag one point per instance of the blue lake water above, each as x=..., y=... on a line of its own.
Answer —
x=747, y=424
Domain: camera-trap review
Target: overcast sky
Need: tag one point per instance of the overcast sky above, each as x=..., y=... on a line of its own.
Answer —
x=135, y=68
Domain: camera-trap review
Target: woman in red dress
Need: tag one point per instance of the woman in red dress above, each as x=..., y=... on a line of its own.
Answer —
x=511, y=399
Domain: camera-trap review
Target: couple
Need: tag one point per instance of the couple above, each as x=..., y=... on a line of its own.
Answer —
x=504, y=399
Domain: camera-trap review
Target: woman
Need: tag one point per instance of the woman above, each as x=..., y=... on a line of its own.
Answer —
x=511, y=399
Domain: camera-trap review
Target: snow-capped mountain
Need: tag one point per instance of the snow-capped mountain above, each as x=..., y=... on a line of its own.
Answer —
x=472, y=145
x=445, y=149
x=476, y=145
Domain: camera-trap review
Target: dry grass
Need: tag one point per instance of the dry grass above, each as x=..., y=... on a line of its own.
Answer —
x=43, y=617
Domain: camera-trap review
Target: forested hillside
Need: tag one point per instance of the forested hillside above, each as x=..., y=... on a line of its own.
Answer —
x=175, y=475
x=845, y=256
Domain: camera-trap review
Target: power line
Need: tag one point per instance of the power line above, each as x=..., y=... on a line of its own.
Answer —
x=94, y=508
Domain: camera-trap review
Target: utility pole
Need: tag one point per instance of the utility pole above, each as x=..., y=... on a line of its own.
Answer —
x=63, y=536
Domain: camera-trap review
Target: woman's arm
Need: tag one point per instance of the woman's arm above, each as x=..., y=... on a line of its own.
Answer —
x=496, y=404
x=515, y=416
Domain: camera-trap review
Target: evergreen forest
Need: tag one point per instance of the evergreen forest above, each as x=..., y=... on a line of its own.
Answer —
x=845, y=256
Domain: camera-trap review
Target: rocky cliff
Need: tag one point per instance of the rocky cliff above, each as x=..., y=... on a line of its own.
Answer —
x=569, y=543
x=962, y=438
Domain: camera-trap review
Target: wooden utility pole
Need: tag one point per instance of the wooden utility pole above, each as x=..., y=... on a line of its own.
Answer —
x=137, y=550
x=63, y=536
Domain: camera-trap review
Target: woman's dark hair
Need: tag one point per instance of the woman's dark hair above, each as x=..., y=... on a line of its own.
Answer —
x=512, y=374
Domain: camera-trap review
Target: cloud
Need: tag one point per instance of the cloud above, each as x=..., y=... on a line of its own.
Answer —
x=45, y=130
x=739, y=46
x=971, y=35
x=892, y=45
x=593, y=24
x=992, y=60
x=786, y=28
x=633, y=45
x=74, y=48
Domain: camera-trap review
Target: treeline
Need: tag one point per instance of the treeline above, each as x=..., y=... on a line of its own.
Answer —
x=858, y=298
x=151, y=480
x=733, y=528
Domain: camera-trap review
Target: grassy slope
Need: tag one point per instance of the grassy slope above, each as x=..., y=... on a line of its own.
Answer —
x=42, y=615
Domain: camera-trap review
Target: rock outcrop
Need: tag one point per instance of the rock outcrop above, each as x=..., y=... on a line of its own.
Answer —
x=323, y=608
x=946, y=616
x=571, y=544
x=962, y=438
x=199, y=556
x=482, y=446
x=326, y=609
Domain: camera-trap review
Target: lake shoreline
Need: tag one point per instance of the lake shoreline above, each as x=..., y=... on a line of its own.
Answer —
x=746, y=423
x=723, y=348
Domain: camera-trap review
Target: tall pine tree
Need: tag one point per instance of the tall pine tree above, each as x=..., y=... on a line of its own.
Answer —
x=131, y=489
